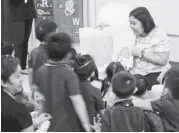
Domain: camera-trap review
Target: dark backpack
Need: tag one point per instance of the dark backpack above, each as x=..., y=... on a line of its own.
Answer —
x=154, y=123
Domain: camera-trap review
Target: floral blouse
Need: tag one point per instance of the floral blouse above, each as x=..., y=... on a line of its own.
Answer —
x=157, y=41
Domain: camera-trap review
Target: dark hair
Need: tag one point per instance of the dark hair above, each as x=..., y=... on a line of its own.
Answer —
x=141, y=84
x=8, y=66
x=58, y=45
x=43, y=28
x=6, y=48
x=143, y=15
x=172, y=81
x=84, y=66
x=111, y=69
x=123, y=84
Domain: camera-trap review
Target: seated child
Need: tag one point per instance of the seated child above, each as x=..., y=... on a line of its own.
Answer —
x=168, y=104
x=85, y=68
x=142, y=92
x=123, y=116
x=106, y=90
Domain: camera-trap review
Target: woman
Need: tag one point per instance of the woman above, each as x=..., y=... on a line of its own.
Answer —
x=152, y=47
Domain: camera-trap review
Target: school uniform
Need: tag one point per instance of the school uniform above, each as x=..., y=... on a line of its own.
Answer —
x=93, y=99
x=57, y=83
x=168, y=109
x=37, y=57
x=123, y=117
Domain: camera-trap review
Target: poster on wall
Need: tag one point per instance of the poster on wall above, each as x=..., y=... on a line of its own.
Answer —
x=68, y=14
x=44, y=9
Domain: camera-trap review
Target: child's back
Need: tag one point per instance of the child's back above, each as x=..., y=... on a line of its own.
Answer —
x=123, y=117
x=168, y=105
x=85, y=68
x=93, y=99
x=168, y=109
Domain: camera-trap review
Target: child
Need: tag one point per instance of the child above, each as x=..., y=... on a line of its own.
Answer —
x=85, y=69
x=69, y=59
x=167, y=105
x=7, y=49
x=60, y=87
x=123, y=116
x=142, y=92
x=106, y=89
x=38, y=56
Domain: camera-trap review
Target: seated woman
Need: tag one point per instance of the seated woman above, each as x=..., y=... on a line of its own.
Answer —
x=152, y=47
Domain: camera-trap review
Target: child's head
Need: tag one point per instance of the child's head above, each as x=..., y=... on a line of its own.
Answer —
x=141, y=85
x=171, y=81
x=113, y=68
x=58, y=45
x=84, y=66
x=123, y=84
x=43, y=28
x=6, y=48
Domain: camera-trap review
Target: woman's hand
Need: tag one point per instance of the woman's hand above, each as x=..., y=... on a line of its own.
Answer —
x=136, y=52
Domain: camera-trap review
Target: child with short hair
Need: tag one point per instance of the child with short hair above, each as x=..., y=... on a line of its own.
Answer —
x=7, y=48
x=167, y=105
x=60, y=87
x=142, y=91
x=38, y=56
x=85, y=69
x=123, y=116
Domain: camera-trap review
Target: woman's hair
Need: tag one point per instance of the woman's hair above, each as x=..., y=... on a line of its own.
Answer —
x=85, y=66
x=111, y=69
x=143, y=15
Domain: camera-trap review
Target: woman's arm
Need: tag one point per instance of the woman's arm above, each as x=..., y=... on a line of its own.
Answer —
x=157, y=58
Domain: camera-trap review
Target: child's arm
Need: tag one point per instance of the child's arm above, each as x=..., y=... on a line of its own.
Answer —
x=81, y=110
x=30, y=77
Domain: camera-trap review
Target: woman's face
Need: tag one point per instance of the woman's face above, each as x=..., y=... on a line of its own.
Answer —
x=136, y=26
